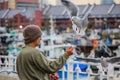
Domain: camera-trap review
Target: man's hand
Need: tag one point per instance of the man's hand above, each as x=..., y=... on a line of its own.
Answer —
x=69, y=51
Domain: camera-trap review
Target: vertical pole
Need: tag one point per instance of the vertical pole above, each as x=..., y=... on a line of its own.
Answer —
x=70, y=69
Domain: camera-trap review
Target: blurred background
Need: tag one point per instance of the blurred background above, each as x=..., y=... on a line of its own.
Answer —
x=103, y=18
x=102, y=22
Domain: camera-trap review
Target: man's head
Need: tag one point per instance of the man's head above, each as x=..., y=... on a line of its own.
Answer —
x=31, y=33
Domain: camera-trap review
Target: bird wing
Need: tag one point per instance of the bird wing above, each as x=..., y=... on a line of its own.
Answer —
x=113, y=60
x=88, y=59
x=73, y=9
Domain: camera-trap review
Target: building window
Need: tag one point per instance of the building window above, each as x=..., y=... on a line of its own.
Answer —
x=26, y=5
x=16, y=19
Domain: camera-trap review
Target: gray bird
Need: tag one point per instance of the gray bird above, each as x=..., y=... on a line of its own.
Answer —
x=74, y=11
x=104, y=61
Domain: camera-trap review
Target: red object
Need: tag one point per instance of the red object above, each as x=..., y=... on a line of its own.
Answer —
x=54, y=76
x=95, y=43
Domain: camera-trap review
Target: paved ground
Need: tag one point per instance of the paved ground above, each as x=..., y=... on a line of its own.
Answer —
x=5, y=76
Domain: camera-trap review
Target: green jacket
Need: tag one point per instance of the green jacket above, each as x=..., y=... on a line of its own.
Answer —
x=33, y=65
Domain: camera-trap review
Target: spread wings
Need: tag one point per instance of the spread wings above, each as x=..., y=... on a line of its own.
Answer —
x=73, y=9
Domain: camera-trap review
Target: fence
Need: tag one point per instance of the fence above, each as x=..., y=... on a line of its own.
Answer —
x=72, y=70
x=8, y=64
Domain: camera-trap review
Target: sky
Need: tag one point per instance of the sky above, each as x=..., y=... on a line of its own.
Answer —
x=90, y=1
x=86, y=1
x=82, y=2
x=117, y=1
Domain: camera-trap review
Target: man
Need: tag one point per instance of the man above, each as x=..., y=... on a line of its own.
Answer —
x=31, y=63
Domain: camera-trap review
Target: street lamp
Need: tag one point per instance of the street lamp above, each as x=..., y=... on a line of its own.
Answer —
x=20, y=26
x=119, y=26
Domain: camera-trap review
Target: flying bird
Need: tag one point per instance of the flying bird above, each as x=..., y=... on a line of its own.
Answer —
x=76, y=21
x=73, y=9
x=107, y=65
x=104, y=61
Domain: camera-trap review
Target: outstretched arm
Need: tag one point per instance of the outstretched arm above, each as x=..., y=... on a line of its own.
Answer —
x=43, y=64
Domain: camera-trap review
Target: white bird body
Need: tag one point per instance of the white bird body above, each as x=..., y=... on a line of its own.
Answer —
x=77, y=25
x=78, y=30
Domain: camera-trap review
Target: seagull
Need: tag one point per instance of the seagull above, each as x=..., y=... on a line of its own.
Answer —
x=104, y=61
x=107, y=64
x=76, y=21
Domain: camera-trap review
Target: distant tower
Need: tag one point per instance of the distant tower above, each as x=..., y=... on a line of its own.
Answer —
x=107, y=1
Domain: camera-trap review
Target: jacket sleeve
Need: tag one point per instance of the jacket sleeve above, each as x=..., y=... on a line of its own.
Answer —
x=48, y=66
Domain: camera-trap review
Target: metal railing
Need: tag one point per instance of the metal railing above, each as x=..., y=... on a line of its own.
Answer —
x=72, y=70
x=8, y=64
